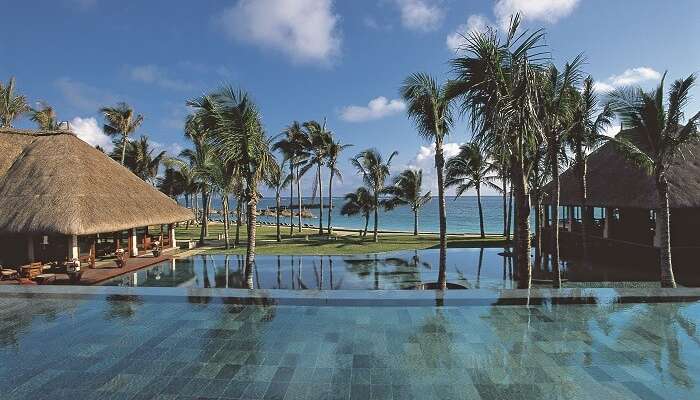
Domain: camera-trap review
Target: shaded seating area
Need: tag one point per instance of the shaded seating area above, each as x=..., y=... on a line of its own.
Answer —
x=63, y=200
x=622, y=200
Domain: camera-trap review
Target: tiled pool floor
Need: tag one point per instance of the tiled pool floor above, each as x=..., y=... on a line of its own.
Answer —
x=137, y=348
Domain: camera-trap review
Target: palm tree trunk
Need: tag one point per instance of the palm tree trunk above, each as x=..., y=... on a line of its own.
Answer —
x=320, y=200
x=277, y=214
x=298, y=200
x=252, y=220
x=226, y=220
x=509, y=220
x=203, y=228
x=376, y=215
x=291, y=200
x=554, y=165
x=440, y=166
x=481, y=211
x=522, y=221
x=538, y=232
x=124, y=141
x=415, y=222
x=364, y=234
x=330, y=201
x=187, y=205
x=505, y=206
x=667, y=278
x=585, y=212
x=239, y=200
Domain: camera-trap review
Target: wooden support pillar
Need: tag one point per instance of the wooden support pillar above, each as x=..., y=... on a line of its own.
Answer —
x=73, y=250
x=570, y=218
x=171, y=234
x=30, y=248
x=133, y=243
x=607, y=222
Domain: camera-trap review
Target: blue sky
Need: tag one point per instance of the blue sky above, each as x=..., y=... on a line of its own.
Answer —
x=310, y=59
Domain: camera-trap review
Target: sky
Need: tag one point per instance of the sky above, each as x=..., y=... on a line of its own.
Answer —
x=312, y=59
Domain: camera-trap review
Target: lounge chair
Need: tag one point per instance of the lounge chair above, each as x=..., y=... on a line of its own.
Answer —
x=8, y=274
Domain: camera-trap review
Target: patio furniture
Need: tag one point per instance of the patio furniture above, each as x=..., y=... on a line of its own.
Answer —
x=32, y=270
x=8, y=274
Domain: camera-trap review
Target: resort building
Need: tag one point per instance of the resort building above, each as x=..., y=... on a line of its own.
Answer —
x=61, y=198
x=622, y=199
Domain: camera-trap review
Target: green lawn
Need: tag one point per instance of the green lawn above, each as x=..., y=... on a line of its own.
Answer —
x=308, y=242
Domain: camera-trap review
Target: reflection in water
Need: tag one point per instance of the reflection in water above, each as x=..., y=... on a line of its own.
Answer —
x=471, y=268
x=89, y=348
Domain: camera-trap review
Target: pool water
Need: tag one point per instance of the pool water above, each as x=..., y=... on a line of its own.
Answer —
x=135, y=347
x=471, y=268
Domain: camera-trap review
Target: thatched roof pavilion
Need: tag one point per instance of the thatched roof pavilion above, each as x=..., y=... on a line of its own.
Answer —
x=53, y=183
x=626, y=197
x=614, y=181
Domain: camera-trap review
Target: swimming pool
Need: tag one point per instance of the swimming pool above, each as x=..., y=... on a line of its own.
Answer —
x=469, y=267
x=137, y=343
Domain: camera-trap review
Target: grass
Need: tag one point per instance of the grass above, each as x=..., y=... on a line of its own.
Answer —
x=308, y=242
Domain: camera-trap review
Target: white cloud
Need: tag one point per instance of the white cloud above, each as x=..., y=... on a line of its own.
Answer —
x=420, y=15
x=304, y=30
x=84, y=97
x=90, y=131
x=172, y=149
x=533, y=10
x=153, y=74
x=632, y=76
x=475, y=23
x=377, y=108
x=425, y=160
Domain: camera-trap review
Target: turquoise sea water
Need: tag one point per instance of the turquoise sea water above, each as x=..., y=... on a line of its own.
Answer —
x=462, y=215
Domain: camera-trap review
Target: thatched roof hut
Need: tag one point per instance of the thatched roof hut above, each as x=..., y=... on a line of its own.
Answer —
x=55, y=183
x=615, y=182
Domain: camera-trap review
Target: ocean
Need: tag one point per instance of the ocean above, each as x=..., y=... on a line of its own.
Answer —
x=462, y=215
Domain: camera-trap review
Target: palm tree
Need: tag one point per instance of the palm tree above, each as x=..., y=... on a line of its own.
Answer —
x=140, y=158
x=333, y=152
x=374, y=170
x=12, y=105
x=429, y=105
x=185, y=180
x=660, y=140
x=239, y=138
x=317, y=150
x=406, y=189
x=277, y=181
x=556, y=101
x=293, y=147
x=470, y=169
x=171, y=183
x=360, y=201
x=497, y=80
x=121, y=121
x=223, y=177
x=45, y=118
x=585, y=135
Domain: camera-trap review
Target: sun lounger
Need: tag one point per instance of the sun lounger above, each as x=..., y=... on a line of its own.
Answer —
x=8, y=274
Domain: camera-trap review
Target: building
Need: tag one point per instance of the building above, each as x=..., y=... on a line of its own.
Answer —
x=623, y=199
x=61, y=198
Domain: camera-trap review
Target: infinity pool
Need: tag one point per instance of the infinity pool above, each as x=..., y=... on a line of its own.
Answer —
x=127, y=344
x=471, y=268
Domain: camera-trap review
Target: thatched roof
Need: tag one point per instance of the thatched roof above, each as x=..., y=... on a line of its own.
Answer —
x=615, y=182
x=53, y=182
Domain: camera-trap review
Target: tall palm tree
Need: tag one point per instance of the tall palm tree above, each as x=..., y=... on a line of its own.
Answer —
x=589, y=123
x=429, y=105
x=172, y=182
x=374, y=170
x=556, y=100
x=334, y=150
x=239, y=138
x=471, y=169
x=223, y=177
x=184, y=181
x=360, y=201
x=660, y=140
x=140, y=158
x=318, y=141
x=407, y=189
x=496, y=81
x=45, y=117
x=294, y=147
x=277, y=181
x=121, y=121
x=12, y=105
